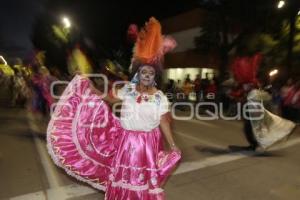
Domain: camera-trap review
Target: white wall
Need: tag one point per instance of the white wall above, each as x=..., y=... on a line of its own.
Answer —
x=186, y=39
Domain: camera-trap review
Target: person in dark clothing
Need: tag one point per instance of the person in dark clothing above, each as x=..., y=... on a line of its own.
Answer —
x=249, y=135
x=247, y=127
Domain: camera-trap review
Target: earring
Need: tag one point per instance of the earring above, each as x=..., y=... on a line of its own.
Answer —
x=135, y=78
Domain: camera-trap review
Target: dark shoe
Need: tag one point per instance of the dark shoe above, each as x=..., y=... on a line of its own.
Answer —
x=242, y=148
x=251, y=147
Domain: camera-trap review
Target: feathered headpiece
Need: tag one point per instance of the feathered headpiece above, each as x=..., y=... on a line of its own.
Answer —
x=151, y=45
x=79, y=62
x=245, y=68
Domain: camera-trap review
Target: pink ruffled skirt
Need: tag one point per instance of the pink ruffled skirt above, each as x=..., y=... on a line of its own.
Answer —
x=86, y=140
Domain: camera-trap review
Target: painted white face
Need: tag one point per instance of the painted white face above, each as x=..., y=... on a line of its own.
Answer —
x=147, y=75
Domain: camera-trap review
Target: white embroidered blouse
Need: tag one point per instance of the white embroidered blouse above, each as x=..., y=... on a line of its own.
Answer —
x=141, y=112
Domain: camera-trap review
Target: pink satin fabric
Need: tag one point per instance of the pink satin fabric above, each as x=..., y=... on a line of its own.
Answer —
x=86, y=140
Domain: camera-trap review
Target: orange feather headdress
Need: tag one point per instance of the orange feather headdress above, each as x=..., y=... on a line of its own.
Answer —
x=151, y=45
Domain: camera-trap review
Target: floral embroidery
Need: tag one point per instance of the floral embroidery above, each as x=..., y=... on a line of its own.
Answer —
x=148, y=98
x=139, y=99
x=158, y=99
x=157, y=96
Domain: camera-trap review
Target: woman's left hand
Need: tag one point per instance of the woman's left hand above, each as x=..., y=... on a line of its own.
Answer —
x=174, y=147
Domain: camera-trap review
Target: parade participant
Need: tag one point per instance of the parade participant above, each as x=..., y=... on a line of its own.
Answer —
x=261, y=127
x=123, y=157
x=39, y=103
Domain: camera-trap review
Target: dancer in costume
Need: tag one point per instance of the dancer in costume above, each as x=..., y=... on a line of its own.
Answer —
x=123, y=157
x=261, y=127
x=41, y=80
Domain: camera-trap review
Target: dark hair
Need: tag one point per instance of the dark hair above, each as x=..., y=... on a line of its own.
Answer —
x=136, y=64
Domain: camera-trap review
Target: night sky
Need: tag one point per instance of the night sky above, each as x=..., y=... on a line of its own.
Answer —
x=103, y=21
x=16, y=18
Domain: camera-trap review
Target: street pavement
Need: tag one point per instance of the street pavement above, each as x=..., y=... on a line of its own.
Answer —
x=208, y=171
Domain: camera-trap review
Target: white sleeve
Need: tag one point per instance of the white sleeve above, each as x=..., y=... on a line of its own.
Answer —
x=164, y=106
x=121, y=93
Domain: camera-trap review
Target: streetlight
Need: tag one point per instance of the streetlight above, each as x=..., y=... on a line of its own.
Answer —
x=273, y=72
x=4, y=61
x=299, y=12
x=280, y=4
x=66, y=22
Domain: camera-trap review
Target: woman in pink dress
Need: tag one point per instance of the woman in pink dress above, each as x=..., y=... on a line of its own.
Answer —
x=123, y=157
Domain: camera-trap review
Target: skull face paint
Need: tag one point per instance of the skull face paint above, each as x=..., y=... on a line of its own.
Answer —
x=147, y=75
